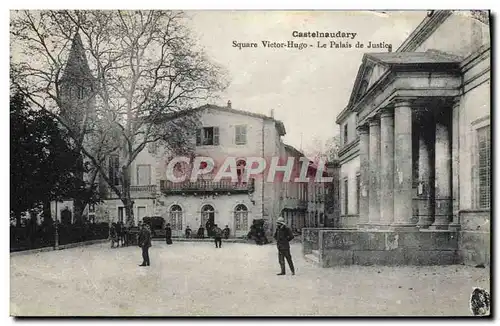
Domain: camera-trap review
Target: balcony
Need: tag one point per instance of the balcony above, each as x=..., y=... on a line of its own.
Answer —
x=203, y=187
x=146, y=191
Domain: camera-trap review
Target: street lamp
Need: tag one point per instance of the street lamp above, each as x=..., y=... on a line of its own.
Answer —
x=56, y=245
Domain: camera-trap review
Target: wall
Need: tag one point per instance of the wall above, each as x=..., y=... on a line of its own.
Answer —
x=351, y=129
x=224, y=206
x=349, y=170
x=344, y=247
x=459, y=34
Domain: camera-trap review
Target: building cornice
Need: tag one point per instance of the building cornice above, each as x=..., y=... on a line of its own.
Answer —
x=426, y=28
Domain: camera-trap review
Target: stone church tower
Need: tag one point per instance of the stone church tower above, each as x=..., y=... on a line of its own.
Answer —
x=77, y=87
x=77, y=105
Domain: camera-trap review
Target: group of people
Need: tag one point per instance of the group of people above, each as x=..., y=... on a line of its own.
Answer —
x=118, y=233
x=210, y=231
x=283, y=235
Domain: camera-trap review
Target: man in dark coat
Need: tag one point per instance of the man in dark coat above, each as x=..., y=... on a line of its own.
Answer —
x=188, y=232
x=145, y=243
x=226, y=232
x=217, y=232
x=168, y=234
x=283, y=236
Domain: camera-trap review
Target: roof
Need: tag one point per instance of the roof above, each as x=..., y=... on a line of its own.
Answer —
x=279, y=124
x=430, y=60
x=410, y=58
x=293, y=150
x=77, y=66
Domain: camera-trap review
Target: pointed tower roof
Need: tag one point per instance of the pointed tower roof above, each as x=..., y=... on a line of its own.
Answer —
x=77, y=67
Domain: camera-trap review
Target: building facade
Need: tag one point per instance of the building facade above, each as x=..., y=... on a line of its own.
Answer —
x=224, y=133
x=416, y=134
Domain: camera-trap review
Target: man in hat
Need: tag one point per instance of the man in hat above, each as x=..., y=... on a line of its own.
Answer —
x=145, y=243
x=283, y=236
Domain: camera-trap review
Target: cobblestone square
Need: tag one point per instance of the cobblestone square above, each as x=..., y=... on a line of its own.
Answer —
x=196, y=279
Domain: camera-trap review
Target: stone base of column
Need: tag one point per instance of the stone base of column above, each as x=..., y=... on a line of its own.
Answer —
x=437, y=226
x=403, y=227
x=424, y=222
x=454, y=227
x=377, y=226
x=362, y=226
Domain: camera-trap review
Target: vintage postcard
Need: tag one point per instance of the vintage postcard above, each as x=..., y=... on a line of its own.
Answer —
x=250, y=163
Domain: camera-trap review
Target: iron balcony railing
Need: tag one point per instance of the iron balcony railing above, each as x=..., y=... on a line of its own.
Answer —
x=203, y=186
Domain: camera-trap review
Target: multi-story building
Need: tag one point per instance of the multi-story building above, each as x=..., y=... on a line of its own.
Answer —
x=416, y=146
x=294, y=196
x=224, y=133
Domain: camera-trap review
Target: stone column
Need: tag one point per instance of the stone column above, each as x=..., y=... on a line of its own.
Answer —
x=403, y=169
x=374, y=199
x=443, y=210
x=425, y=135
x=364, y=159
x=455, y=165
x=386, y=167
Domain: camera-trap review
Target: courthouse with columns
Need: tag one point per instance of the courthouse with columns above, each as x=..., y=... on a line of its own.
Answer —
x=415, y=148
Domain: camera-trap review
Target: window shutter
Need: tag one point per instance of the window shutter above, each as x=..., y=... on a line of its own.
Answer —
x=216, y=136
x=237, y=135
x=198, y=137
x=243, y=135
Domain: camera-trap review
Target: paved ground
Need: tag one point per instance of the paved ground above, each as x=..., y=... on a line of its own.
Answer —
x=238, y=279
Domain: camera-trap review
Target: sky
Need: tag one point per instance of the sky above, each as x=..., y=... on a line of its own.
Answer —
x=306, y=88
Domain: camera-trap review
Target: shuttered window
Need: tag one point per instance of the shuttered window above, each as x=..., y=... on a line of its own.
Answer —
x=114, y=170
x=358, y=190
x=143, y=175
x=241, y=135
x=346, y=196
x=207, y=136
x=484, y=153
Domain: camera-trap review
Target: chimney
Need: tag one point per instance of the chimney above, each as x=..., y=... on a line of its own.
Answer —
x=271, y=113
x=229, y=104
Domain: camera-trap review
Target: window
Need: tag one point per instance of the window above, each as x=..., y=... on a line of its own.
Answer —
x=240, y=170
x=345, y=134
x=240, y=135
x=141, y=212
x=484, y=160
x=143, y=174
x=207, y=136
x=120, y=214
x=114, y=169
x=346, y=196
x=358, y=189
x=81, y=92
x=176, y=217
x=207, y=214
x=241, y=218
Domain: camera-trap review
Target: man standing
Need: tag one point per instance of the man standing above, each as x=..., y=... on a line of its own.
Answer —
x=168, y=234
x=283, y=236
x=226, y=232
x=217, y=236
x=145, y=243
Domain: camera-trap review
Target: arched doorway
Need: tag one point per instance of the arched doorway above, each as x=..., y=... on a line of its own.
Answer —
x=175, y=220
x=208, y=218
x=240, y=219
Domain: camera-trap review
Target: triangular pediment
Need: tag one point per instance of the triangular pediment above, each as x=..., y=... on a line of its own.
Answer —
x=370, y=71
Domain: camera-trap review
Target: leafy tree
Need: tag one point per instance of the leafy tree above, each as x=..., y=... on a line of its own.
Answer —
x=42, y=162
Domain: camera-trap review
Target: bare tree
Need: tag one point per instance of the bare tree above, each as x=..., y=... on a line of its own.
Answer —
x=145, y=69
